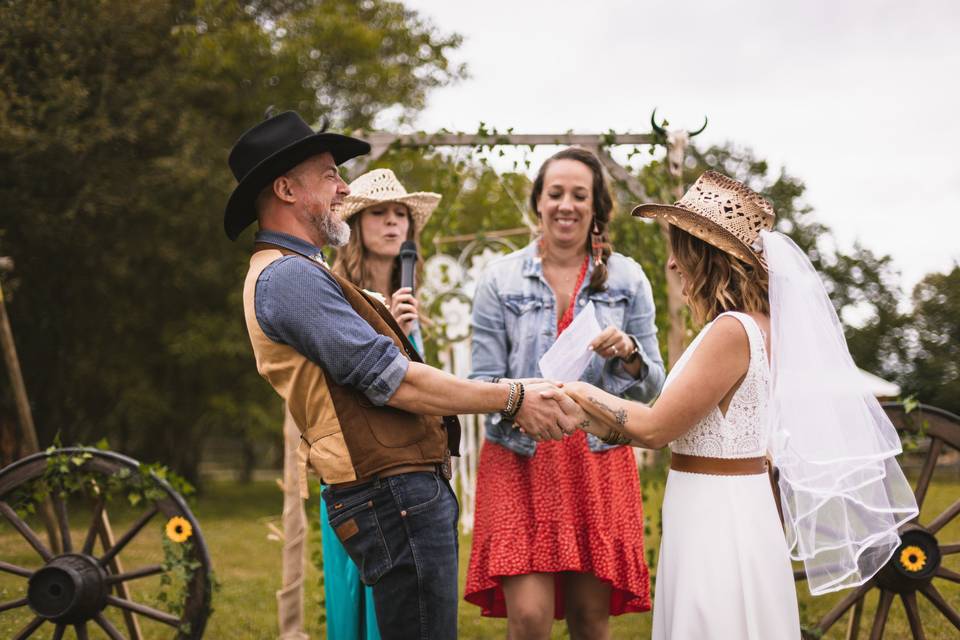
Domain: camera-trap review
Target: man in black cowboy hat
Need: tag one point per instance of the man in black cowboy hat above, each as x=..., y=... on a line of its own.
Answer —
x=371, y=414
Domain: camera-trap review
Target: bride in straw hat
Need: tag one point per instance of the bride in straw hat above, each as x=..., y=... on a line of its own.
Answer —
x=769, y=375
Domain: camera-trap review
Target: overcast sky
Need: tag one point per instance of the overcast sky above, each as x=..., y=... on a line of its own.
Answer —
x=859, y=99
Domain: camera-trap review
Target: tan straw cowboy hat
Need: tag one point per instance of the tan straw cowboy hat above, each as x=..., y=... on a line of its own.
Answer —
x=380, y=185
x=722, y=212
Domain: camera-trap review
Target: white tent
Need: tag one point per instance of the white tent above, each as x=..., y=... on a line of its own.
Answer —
x=879, y=387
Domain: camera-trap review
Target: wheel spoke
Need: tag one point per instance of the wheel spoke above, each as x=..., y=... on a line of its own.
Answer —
x=949, y=549
x=15, y=570
x=853, y=627
x=60, y=508
x=883, y=610
x=827, y=621
x=934, y=596
x=25, y=531
x=944, y=517
x=58, y=632
x=947, y=574
x=108, y=627
x=81, y=630
x=94, y=527
x=128, y=536
x=12, y=604
x=144, y=610
x=133, y=575
x=923, y=482
x=913, y=614
x=28, y=630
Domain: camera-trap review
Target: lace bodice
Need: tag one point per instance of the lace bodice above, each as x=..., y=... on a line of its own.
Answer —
x=743, y=431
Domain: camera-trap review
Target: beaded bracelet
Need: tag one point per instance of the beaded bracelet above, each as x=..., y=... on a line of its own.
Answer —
x=516, y=409
x=615, y=438
x=514, y=400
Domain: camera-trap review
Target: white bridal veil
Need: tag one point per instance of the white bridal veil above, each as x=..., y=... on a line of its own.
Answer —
x=843, y=493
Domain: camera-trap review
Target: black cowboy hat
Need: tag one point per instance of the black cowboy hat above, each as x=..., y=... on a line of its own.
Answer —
x=270, y=149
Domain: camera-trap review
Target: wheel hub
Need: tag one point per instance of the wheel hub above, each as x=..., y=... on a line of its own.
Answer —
x=913, y=564
x=70, y=589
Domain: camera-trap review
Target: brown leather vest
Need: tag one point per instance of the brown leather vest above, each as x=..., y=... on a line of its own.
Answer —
x=356, y=439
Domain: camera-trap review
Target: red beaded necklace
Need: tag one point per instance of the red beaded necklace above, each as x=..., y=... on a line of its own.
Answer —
x=567, y=316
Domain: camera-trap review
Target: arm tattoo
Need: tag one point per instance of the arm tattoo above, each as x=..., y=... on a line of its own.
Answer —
x=584, y=424
x=619, y=414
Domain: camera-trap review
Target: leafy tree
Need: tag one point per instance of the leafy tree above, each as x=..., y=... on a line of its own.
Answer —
x=935, y=364
x=116, y=117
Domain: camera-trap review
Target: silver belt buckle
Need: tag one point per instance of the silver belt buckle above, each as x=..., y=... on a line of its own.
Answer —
x=446, y=467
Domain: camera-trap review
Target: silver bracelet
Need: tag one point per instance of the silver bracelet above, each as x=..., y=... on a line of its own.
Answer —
x=511, y=397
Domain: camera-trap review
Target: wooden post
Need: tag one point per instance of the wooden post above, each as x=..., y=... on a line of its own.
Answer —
x=122, y=589
x=27, y=430
x=381, y=141
x=290, y=594
x=620, y=174
x=676, y=327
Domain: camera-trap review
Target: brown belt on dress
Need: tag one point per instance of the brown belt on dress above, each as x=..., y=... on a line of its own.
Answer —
x=389, y=473
x=717, y=466
x=729, y=467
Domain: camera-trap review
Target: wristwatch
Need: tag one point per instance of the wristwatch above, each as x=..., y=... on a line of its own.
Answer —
x=633, y=354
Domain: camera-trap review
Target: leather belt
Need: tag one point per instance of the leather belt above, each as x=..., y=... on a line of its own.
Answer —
x=389, y=473
x=718, y=466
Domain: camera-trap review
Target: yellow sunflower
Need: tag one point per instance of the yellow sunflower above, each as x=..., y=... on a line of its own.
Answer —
x=178, y=529
x=913, y=558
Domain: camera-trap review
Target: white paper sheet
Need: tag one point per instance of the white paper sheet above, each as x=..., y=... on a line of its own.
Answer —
x=569, y=356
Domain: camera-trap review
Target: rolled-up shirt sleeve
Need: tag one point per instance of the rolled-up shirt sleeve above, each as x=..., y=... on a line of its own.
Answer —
x=301, y=305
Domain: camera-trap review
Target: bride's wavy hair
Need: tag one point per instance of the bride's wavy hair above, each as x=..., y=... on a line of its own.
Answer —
x=717, y=281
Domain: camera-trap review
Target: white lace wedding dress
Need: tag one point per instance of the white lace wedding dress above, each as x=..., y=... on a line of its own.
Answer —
x=724, y=571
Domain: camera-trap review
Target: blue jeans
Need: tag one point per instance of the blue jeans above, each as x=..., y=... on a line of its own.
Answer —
x=402, y=534
x=351, y=614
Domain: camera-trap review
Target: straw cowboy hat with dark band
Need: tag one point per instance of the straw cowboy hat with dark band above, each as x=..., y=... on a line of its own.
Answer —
x=269, y=150
x=721, y=212
x=379, y=186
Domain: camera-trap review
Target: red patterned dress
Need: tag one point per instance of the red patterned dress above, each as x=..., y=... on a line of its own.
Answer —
x=563, y=509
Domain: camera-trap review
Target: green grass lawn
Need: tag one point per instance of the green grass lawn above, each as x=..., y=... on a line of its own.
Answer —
x=234, y=520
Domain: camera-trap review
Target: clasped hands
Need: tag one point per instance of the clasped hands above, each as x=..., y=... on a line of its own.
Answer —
x=549, y=412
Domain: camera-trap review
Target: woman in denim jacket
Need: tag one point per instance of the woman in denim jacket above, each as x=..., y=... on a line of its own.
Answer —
x=559, y=524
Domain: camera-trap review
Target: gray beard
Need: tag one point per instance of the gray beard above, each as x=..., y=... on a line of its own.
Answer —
x=335, y=230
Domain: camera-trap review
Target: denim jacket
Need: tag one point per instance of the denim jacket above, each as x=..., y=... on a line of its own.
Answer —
x=515, y=323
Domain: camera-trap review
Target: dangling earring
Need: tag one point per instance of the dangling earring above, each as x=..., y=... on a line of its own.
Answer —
x=541, y=245
x=596, y=241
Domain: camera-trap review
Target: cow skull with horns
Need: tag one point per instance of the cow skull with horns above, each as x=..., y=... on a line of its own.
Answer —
x=677, y=142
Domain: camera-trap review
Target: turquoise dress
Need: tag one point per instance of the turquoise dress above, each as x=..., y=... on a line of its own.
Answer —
x=350, y=612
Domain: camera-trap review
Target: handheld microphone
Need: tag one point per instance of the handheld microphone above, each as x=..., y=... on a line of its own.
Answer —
x=408, y=262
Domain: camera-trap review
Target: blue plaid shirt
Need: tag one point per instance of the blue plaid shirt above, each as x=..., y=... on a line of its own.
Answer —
x=303, y=306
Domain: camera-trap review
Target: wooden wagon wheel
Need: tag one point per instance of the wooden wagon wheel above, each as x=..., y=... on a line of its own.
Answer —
x=917, y=561
x=78, y=587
